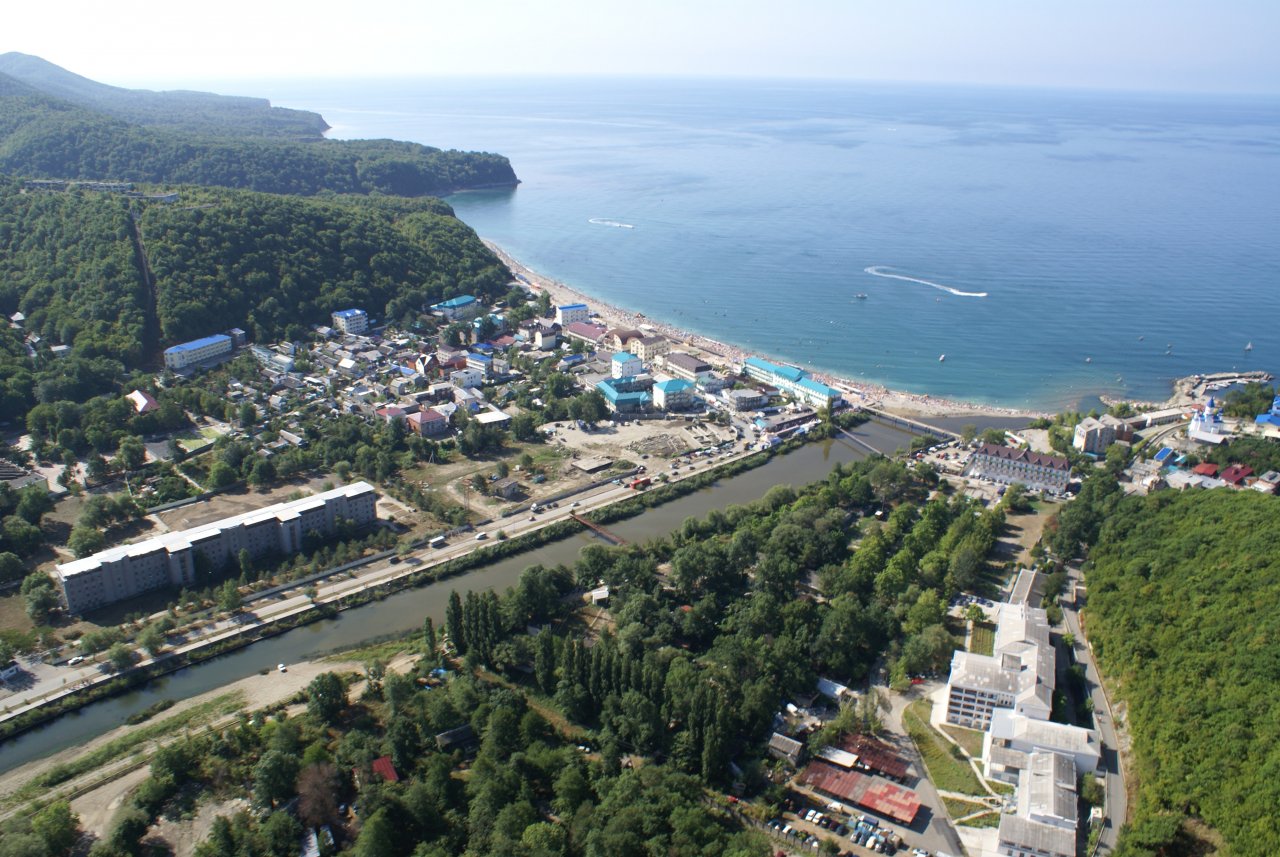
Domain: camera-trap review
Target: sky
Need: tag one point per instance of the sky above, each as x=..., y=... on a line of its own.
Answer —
x=1160, y=45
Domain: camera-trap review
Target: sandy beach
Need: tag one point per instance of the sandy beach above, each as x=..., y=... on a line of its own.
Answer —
x=728, y=355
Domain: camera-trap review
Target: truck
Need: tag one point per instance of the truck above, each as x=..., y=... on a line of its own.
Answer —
x=438, y=542
x=642, y=482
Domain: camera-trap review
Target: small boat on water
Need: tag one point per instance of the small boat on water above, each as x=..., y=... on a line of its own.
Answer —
x=862, y=296
x=1249, y=347
x=942, y=357
x=1088, y=360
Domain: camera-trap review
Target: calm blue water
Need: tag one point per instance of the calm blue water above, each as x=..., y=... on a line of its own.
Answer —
x=1138, y=231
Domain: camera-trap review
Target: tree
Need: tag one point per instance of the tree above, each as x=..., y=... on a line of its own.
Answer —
x=263, y=473
x=58, y=826
x=326, y=697
x=377, y=837
x=968, y=432
x=248, y=414
x=221, y=475
x=85, y=541
x=453, y=623
x=11, y=567
x=120, y=656
x=229, y=599
x=40, y=596
x=132, y=453
x=274, y=777
x=152, y=639
x=317, y=787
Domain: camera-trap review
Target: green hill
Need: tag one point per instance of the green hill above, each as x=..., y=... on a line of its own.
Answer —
x=71, y=262
x=1184, y=614
x=54, y=124
x=200, y=111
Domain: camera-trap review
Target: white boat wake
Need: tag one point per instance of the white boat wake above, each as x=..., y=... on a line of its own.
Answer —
x=600, y=221
x=879, y=271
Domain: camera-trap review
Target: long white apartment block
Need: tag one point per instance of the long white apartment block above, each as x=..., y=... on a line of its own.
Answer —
x=1019, y=675
x=169, y=559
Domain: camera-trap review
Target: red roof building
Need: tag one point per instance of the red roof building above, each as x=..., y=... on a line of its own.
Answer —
x=1206, y=468
x=382, y=767
x=875, y=755
x=1236, y=474
x=878, y=795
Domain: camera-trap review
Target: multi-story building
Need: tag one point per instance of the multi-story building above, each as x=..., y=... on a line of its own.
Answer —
x=686, y=366
x=676, y=394
x=1045, y=819
x=461, y=308
x=351, y=320
x=170, y=559
x=793, y=382
x=197, y=351
x=1006, y=465
x=625, y=365
x=569, y=313
x=745, y=400
x=1019, y=675
x=1093, y=436
x=466, y=378
x=624, y=395
x=648, y=348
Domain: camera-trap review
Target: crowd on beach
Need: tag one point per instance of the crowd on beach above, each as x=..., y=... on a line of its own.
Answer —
x=859, y=392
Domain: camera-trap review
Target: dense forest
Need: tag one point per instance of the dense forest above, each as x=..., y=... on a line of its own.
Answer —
x=1184, y=614
x=54, y=124
x=272, y=265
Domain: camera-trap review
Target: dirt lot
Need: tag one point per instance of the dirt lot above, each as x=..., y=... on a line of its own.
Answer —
x=233, y=503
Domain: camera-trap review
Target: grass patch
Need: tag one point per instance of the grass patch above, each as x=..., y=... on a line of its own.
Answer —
x=126, y=744
x=969, y=739
x=957, y=808
x=990, y=819
x=947, y=771
x=379, y=650
x=983, y=639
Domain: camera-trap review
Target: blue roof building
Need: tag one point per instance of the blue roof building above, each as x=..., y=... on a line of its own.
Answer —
x=1271, y=417
x=197, y=351
x=619, y=398
x=792, y=381
x=351, y=320
x=463, y=306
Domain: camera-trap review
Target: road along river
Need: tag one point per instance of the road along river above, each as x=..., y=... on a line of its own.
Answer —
x=405, y=611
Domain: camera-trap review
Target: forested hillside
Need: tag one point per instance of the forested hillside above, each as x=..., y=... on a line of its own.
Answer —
x=203, y=111
x=1184, y=613
x=272, y=265
x=54, y=124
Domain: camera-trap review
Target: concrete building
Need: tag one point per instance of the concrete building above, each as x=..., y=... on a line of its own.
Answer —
x=170, y=559
x=686, y=366
x=1014, y=738
x=1044, y=822
x=466, y=378
x=482, y=363
x=794, y=382
x=745, y=400
x=197, y=351
x=674, y=395
x=649, y=347
x=1006, y=465
x=584, y=331
x=461, y=308
x=569, y=313
x=350, y=320
x=625, y=365
x=1019, y=675
x=625, y=395
x=428, y=422
x=1093, y=436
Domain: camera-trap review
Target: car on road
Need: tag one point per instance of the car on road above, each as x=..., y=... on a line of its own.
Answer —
x=78, y=659
x=282, y=668
x=481, y=536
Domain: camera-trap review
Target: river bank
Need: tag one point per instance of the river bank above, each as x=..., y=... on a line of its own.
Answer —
x=912, y=405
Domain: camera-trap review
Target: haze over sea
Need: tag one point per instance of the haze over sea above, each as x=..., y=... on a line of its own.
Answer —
x=1135, y=232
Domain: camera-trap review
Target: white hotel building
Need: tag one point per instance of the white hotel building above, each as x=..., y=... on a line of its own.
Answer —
x=169, y=559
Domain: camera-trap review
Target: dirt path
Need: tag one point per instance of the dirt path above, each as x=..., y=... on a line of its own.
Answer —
x=257, y=691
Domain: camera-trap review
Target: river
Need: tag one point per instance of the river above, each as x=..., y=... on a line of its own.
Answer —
x=406, y=610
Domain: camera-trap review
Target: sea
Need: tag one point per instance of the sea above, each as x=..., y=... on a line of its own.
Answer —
x=1023, y=248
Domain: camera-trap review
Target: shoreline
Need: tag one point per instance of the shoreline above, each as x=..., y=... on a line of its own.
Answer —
x=916, y=405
